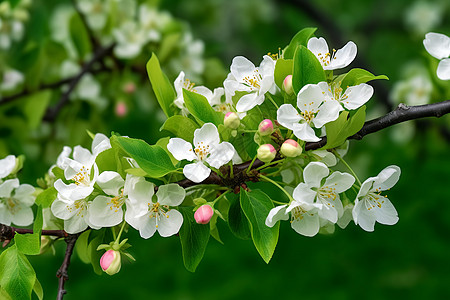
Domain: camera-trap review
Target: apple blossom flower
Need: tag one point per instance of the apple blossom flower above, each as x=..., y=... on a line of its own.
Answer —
x=15, y=203
x=106, y=211
x=181, y=83
x=130, y=39
x=110, y=262
x=438, y=45
x=353, y=97
x=203, y=214
x=148, y=216
x=208, y=150
x=327, y=194
x=7, y=165
x=315, y=109
x=257, y=81
x=371, y=206
x=331, y=61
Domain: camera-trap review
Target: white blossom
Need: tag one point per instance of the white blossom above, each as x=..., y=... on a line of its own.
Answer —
x=15, y=203
x=7, y=165
x=332, y=60
x=438, y=45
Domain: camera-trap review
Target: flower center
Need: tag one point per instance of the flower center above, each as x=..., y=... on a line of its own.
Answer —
x=298, y=213
x=80, y=206
x=12, y=205
x=116, y=202
x=82, y=177
x=156, y=210
x=253, y=81
x=374, y=200
x=202, y=151
x=188, y=85
x=326, y=58
x=328, y=193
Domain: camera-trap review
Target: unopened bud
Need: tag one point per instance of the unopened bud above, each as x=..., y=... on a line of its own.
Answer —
x=287, y=85
x=203, y=214
x=110, y=262
x=291, y=148
x=129, y=88
x=266, y=153
x=265, y=127
x=121, y=109
x=231, y=120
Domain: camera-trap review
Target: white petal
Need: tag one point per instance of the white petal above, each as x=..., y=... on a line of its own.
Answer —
x=100, y=143
x=181, y=149
x=75, y=224
x=443, y=69
x=208, y=135
x=328, y=212
x=305, y=132
x=170, y=194
x=83, y=156
x=147, y=227
x=314, y=172
x=204, y=91
x=178, y=84
x=220, y=155
x=340, y=182
x=319, y=47
x=343, y=57
x=386, y=213
x=63, y=209
x=8, y=186
x=5, y=215
x=73, y=191
x=102, y=212
x=363, y=217
x=328, y=111
x=437, y=44
x=308, y=225
x=24, y=193
x=197, y=172
x=241, y=67
x=325, y=156
x=170, y=224
x=387, y=178
x=287, y=115
x=140, y=196
x=346, y=216
x=7, y=165
x=357, y=96
x=276, y=214
x=60, y=161
x=23, y=216
x=249, y=101
x=310, y=97
x=110, y=182
x=303, y=194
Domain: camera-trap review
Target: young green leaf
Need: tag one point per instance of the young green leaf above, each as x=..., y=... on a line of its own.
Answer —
x=152, y=159
x=194, y=239
x=161, y=86
x=301, y=38
x=17, y=276
x=357, y=76
x=46, y=198
x=237, y=221
x=340, y=129
x=37, y=289
x=81, y=247
x=307, y=69
x=283, y=68
x=181, y=126
x=30, y=244
x=200, y=108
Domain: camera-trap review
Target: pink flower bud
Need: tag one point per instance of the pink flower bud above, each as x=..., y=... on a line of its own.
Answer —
x=287, y=85
x=110, y=262
x=203, y=214
x=265, y=127
x=231, y=120
x=291, y=148
x=129, y=88
x=266, y=153
x=121, y=109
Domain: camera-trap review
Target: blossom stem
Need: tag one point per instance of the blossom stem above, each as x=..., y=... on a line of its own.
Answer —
x=348, y=167
x=278, y=186
x=231, y=169
x=269, y=164
x=120, y=233
x=221, y=196
x=251, y=164
x=271, y=100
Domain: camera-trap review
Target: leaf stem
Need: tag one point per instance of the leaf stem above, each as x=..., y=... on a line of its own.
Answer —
x=271, y=100
x=348, y=166
x=278, y=186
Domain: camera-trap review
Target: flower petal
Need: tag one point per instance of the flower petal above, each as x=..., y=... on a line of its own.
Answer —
x=197, y=172
x=7, y=187
x=310, y=97
x=100, y=143
x=170, y=224
x=103, y=213
x=181, y=149
x=363, y=217
x=110, y=182
x=443, y=69
x=387, y=178
x=75, y=224
x=24, y=193
x=339, y=182
x=437, y=44
x=357, y=96
x=343, y=57
x=287, y=116
x=170, y=194
x=220, y=155
x=140, y=196
x=328, y=111
x=5, y=215
x=305, y=132
x=249, y=101
x=276, y=214
x=23, y=216
x=7, y=165
x=319, y=47
x=208, y=135
x=386, y=213
x=147, y=226
x=314, y=172
x=83, y=156
x=241, y=67
x=303, y=194
x=308, y=225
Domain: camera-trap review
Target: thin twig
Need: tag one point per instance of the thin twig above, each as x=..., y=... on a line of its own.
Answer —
x=62, y=273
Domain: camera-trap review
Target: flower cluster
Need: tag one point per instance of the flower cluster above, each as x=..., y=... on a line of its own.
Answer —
x=438, y=45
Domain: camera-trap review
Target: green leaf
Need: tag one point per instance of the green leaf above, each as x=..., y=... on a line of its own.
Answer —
x=213, y=228
x=81, y=247
x=30, y=244
x=35, y=106
x=339, y=130
x=307, y=69
x=37, y=288
x=237, y=221
x=46, y=198
x=283, y=68
x=194, y=238
x=161, y=86
x=106, y=161
x=200, y=108
x=301, y=38
x=357, y=76
x=154, y=160
x=256, y=206
x=181, y=126
x=168, y=45
x=79, y=36
x=94, y=255
x=17, y=276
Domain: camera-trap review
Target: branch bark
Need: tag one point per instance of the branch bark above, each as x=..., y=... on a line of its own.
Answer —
x=62, y=273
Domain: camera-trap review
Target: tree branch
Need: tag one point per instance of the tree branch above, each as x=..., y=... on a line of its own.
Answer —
x=62, y=273
x=52, y=113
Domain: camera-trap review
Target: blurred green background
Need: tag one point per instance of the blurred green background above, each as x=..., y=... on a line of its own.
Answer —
x=408, y=260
